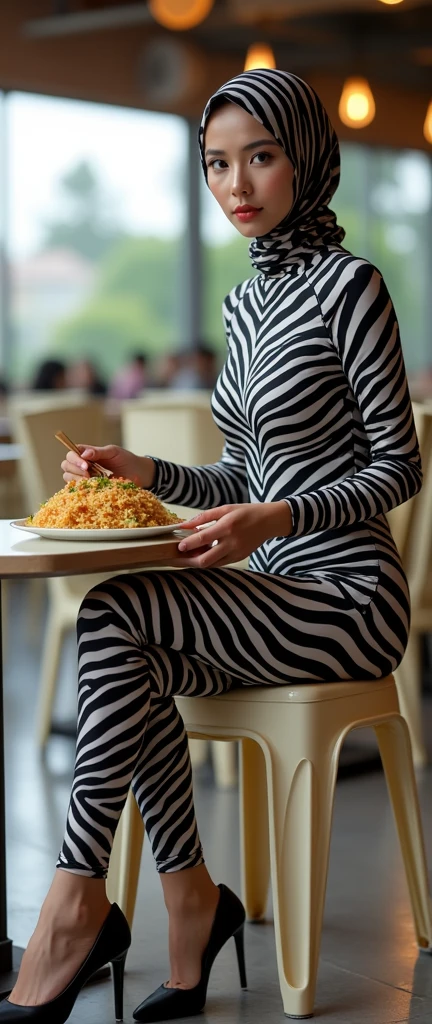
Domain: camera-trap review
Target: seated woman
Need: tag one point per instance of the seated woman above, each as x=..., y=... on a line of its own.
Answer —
x=319, y=445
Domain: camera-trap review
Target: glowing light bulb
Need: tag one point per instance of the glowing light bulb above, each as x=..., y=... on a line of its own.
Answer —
x=259, y=55
x=180, y=15
x=391, y=2
x=427, y=128
x=357, y=105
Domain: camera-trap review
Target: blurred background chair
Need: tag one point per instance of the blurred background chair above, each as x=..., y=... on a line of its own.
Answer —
x=34, y=427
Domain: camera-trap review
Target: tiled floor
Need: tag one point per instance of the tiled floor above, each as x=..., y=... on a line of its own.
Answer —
x=370, y=970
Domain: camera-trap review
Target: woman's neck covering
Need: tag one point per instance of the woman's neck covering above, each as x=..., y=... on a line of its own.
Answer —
x=291, y=110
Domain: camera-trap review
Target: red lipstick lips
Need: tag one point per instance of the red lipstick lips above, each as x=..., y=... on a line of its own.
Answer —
x=245, y=212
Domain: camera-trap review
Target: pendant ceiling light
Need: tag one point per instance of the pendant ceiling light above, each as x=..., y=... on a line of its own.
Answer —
x=357, y=105
x=259, y=55
x=427, y=129
x=180, y=15
x=391, y=2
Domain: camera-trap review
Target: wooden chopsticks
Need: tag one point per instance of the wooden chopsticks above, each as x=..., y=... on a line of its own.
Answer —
x=94, y=468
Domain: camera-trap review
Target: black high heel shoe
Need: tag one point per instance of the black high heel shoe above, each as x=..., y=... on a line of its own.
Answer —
x=170, y=1003
x=111, y=946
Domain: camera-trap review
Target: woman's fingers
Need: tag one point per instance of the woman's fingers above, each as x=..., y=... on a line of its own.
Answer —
x=209, y=557
x=73, y=466
x=209, y=516
x=199, y=539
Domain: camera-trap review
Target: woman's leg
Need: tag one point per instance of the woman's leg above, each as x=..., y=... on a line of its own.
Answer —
x=70, y=919
x=116, y=677
x=162, y=786
x=144, y=639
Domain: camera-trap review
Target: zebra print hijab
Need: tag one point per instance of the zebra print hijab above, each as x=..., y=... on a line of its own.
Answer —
x=291, y=110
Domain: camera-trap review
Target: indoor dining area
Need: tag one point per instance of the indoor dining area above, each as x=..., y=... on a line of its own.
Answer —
x=249, y=710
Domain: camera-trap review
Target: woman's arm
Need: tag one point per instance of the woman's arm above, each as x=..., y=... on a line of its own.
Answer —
x=365, y=333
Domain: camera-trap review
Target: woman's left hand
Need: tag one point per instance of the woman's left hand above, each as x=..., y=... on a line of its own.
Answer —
x=237, y=532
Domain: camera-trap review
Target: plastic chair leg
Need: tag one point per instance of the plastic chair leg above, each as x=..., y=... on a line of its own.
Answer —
x=408, y=683
x=198, y=750
x=224, y=757
x=125, y=860
x=254, y=830
x=395, y=749
x=300, y=816
x=54, y=635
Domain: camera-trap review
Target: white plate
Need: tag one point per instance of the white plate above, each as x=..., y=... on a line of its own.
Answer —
x=133, y=533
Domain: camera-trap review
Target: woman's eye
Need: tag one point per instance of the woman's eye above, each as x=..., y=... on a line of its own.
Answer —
x=261, y=157
x=214, y=164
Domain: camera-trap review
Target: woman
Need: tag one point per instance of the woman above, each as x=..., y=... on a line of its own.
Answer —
x=320, y=443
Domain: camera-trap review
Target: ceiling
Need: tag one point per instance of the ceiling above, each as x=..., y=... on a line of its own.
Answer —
x=392, y=44
x=112, y=51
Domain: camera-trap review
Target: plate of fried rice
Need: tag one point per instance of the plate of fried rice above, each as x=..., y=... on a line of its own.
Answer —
x=99, y=508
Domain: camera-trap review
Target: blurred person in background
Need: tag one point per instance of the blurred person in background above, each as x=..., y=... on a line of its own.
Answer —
x=130, y=379
x=50, y=376
x=83, y=374
x=197, y=369
x=165, y=370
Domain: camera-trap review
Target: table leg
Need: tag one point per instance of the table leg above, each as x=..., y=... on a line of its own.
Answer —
x=10, y=957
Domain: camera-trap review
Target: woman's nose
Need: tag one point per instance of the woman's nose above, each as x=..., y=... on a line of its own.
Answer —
x=240, y=185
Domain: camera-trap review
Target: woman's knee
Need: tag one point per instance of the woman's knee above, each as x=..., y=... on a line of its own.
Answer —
x=107, y=596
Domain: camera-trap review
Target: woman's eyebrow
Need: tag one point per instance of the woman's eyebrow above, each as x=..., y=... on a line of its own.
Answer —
x=250, y=145
x=261, y=142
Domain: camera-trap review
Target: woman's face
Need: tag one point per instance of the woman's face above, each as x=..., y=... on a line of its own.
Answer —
x=248, y=172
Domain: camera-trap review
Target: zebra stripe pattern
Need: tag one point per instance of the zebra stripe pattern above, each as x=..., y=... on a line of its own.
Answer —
x=314, y=407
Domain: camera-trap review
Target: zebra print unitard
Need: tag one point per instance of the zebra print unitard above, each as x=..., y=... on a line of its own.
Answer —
x=314, y=407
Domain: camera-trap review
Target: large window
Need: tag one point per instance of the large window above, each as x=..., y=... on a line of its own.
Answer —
x=96, y=217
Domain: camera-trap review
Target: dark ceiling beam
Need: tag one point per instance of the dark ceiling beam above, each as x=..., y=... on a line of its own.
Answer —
x=304, y=63
x=77, y=22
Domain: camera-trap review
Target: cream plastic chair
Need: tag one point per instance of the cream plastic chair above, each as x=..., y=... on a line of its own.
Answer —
x=179, y=427
x=411, y=526
x=34, y=427
x=290, y=743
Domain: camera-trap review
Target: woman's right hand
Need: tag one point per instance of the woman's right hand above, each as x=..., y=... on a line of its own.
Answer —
x=120, y=461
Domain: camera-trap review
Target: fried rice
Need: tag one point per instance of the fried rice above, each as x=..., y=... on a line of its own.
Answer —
x=100, y=503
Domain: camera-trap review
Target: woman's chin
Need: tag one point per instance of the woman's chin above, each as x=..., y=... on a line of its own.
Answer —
x=256, y=228
x=250, y=230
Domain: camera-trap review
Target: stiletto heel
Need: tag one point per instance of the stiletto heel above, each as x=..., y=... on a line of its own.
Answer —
x=118, y=969
x=110, y=946
x=239, y=941
x=171, y=1003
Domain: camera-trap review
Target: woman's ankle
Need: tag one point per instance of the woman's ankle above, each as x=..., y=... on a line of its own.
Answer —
x=189, y=890
x=79, y=898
